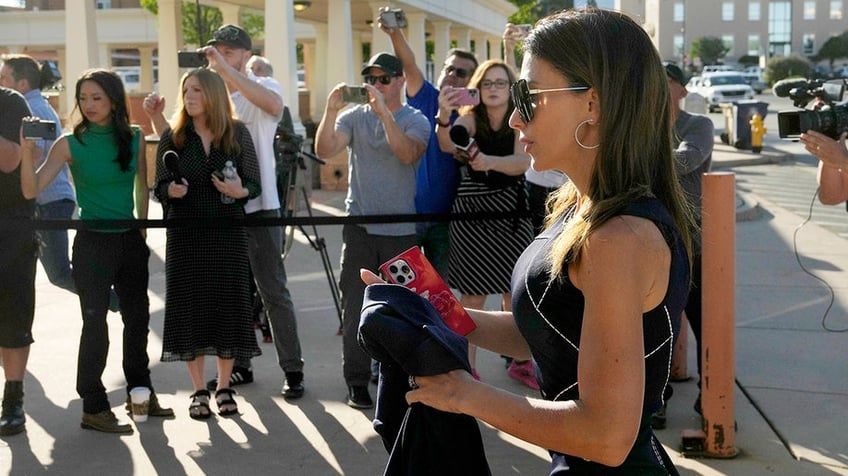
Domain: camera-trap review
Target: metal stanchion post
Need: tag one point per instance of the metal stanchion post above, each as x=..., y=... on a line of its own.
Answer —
x=717, y=438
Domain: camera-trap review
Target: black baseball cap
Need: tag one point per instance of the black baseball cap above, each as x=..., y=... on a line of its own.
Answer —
x=674, y=72
x=233, y=36
x=385, y=61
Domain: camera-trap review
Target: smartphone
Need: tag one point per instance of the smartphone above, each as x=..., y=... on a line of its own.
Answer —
x=394, y=18
x=219, y=174
x=39, y=129
x=191, y=59
x=355, y=94
x=412, y=270
x=524, y=30
x=468, y=97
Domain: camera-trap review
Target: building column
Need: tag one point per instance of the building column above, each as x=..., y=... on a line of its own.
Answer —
x=340, y=38
x=231, y=14
x=481, y=48
x=170, y=33
x=85, y=54
x=281, y=50
x=463, y=38
x=68, y=91
x=322, y=82
x=441, y=41
x=145, y=54
x=417, y=38
x=379, y=40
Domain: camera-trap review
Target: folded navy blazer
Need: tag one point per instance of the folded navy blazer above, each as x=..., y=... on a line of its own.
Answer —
x=405, y=333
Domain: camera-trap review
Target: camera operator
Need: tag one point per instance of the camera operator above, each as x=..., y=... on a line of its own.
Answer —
x=833, y=165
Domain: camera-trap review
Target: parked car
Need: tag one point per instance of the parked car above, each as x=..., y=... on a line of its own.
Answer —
x=716, y=68
x=724, y=87
x=757, y=84
x=694, y=85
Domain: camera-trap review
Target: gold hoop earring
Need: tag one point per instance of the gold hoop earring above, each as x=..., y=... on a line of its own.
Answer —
x=576, y=138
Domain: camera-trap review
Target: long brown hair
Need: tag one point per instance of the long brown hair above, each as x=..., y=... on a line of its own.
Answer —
x=219, y=112
x=609, y=52
x=480, y=111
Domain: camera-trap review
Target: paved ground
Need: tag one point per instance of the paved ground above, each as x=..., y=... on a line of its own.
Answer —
x=790, y=399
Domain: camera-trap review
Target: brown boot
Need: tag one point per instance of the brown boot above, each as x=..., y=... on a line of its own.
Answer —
x=153, y=408
x=104, y=421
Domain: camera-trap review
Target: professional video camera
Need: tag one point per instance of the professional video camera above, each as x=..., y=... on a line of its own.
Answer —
x=822, y=111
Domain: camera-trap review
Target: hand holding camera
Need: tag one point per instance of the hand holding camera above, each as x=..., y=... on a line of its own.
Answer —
x=392, y=18
x=34, y=128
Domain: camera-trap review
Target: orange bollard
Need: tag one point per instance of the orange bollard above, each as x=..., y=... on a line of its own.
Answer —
x=718, y=324
x=679, y=368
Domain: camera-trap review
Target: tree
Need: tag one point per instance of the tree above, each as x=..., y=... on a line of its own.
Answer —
x=709, y=48
x=787, y=67
x=834, y=48
x=199, y=21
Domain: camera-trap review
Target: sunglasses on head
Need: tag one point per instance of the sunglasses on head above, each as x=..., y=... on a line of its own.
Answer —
x=459, y=72
x=384, y=79
x=522, y=96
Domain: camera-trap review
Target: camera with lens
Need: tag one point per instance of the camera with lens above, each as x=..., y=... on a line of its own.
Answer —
x=821, y=111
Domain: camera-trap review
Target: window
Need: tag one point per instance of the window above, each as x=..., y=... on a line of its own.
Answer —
x=104, y=4
x=727, y=41
x=809, y=44
x=836, y=10
x=679, y=52
x=727, y=11
x=754, y=11
x=754, y=45
x=809, y=10
x=780, y=28
x=679, y=12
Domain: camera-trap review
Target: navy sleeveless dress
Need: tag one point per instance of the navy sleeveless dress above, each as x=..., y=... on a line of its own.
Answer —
x=550, y=315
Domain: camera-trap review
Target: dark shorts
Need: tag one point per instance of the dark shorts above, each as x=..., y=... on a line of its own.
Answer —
x=18, y=255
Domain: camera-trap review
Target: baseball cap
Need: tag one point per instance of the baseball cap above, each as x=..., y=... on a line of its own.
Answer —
x=385, y=61
x=675, y=73
x=231, y=35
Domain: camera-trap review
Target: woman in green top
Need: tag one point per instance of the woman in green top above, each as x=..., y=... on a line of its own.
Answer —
x=106, y=156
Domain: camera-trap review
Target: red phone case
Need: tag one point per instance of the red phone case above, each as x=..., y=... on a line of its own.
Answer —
x=412, y=269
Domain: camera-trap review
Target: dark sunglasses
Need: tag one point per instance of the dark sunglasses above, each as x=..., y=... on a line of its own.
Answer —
x=522, y=96
x=384, y=79
x=459, y=72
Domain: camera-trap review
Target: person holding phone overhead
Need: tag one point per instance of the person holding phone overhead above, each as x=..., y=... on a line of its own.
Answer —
x=385, y=139
x=211, y=316
x=483, y=252
x=106, y=155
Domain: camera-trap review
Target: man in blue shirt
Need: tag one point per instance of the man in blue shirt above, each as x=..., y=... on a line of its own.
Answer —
x=436, y=181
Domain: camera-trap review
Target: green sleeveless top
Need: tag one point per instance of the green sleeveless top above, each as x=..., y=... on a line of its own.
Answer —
x=104, y=191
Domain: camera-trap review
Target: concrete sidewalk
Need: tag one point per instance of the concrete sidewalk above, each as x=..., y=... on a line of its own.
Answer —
x=791, y=397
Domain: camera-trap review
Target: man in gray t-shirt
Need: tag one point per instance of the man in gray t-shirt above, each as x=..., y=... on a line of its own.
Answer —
x=385, y=138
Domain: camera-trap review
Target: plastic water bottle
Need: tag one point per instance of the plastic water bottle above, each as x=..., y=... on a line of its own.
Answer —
x=229, y=175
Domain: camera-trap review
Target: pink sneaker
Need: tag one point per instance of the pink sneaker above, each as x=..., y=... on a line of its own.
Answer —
x=523, y=372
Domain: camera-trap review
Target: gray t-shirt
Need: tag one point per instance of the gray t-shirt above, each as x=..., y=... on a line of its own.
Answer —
x=379, y=183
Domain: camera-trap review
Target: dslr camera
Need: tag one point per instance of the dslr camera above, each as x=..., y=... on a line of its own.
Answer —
x=393, y=18
x=821, y=111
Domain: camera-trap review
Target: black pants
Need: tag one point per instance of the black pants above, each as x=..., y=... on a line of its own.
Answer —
x=693, y=307
x=101, y=260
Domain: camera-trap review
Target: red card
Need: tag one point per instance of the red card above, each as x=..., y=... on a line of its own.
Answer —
x=412, y=269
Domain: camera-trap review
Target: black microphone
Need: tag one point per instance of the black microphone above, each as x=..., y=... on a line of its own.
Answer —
x=463, y=141
x=783, y=87
x=172, y=163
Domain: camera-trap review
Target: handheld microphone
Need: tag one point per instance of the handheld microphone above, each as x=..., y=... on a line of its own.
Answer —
x=172, y=163
x=463, y=141
x=784, y=87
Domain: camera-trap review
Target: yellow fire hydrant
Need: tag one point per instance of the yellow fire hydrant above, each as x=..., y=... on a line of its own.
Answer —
x=758, y=130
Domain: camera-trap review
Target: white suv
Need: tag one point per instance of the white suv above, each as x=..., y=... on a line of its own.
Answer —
x=724, y=87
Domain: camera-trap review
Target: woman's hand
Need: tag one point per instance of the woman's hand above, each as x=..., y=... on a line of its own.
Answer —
x=177, y=190
x=442, y=392
x=830, y=152
x=153, y=105
x=231, y=188
x=368, y=277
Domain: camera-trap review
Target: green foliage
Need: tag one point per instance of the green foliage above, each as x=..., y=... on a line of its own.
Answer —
x=530, y=11
x=749, y=60
x=787, y=67
x=197, y=26
x=709, y=48
x=834, y=48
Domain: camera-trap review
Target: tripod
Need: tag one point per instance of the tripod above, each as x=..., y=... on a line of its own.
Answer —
x=293, y=189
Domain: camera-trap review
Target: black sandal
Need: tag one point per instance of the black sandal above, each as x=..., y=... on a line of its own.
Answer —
x=199, y=408
x=224, y=397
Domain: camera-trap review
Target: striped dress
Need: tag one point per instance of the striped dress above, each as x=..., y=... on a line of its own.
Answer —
x=483, y=252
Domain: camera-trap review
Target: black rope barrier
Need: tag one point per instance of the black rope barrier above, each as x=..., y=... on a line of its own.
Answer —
x=217, y=222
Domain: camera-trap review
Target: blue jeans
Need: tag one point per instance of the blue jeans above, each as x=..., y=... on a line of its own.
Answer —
x=53, y=251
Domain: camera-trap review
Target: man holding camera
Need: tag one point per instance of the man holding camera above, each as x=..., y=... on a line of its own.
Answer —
x=385, y=139
x=18, y=252
x=437, y=173
x=693, y=140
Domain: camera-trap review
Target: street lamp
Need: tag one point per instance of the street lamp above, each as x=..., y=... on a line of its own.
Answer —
x=301, y=5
